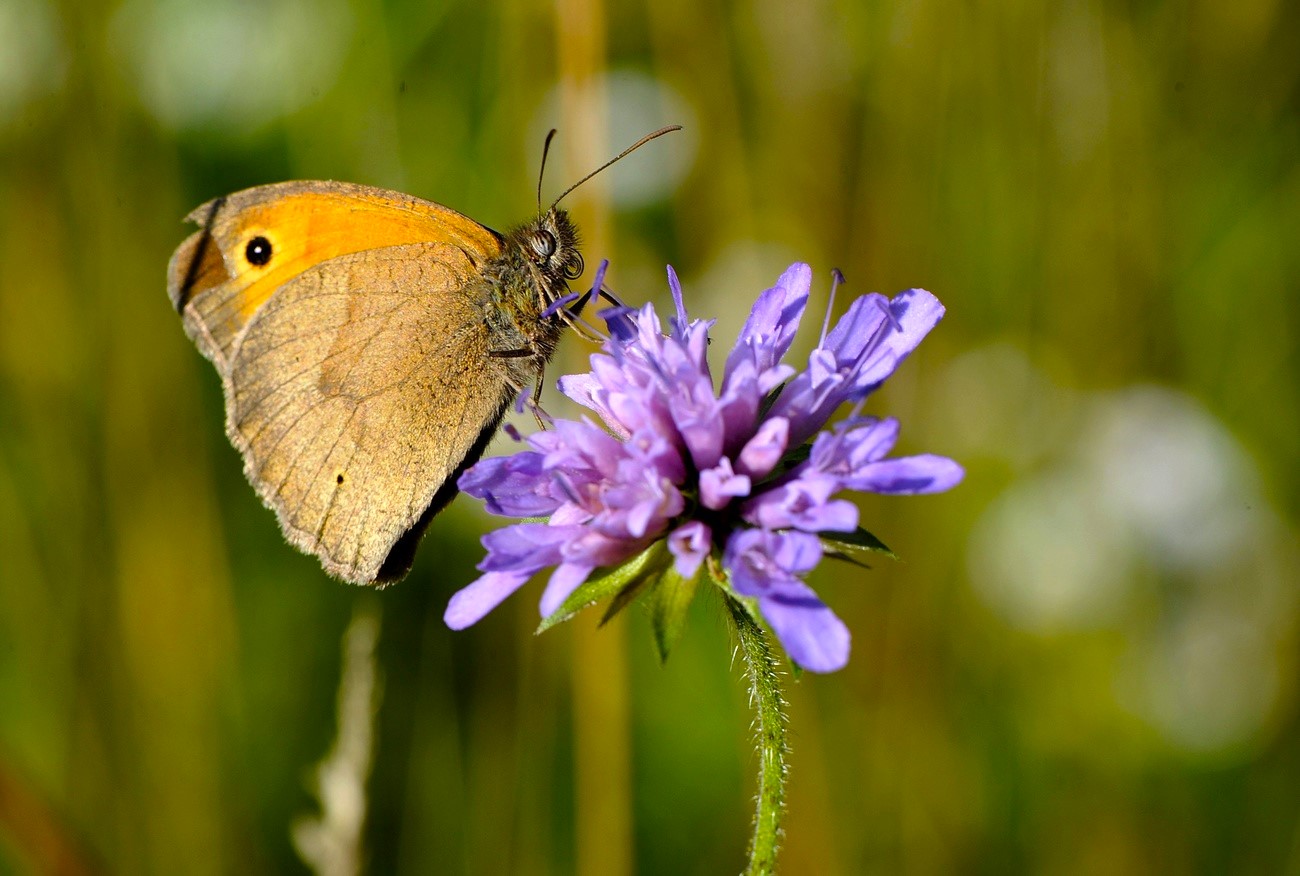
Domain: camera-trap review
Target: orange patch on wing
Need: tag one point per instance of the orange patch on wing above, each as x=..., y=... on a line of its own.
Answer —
x=309, y=228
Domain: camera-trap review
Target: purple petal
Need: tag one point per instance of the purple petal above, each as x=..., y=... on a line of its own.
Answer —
x=690, y=544
x=845, y=450
x=905, y=320
x=654, y=452
x=762, y=452
x=738, y=406
x=511, y=486
x=768, y=330
x=695, y=344
x=680, y=323
x=720, y=484
x=838, y=515
x=808, y=400
x=772, y=322
x=639, y=409
x=638, y=500
x=570, y=514
x=587, y=391
x=759, y=560
x=564, y=580
x=774, y=377
x=572, y=445
x=471, y=603
x=871, y=442
x=525, y=547
x=650, y=513
x=802, y=503
x=594, y=547
x=860, y=327
x=907, y=475
x=798, y=552
x=700, y=425
x=864, y=348
x=809, y=631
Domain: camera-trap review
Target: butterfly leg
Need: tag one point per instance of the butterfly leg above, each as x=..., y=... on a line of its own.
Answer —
x=527, y=396
x=537, y=397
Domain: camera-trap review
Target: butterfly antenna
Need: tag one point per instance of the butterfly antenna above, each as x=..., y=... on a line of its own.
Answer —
x=629, y=150
x=546, y=148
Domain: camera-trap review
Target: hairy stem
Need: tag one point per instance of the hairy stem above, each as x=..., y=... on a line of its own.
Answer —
x=769, y=730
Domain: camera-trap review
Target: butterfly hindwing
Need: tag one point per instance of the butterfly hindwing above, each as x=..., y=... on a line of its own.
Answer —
x=355, y=393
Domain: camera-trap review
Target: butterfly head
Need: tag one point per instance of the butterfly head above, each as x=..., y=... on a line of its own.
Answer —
x=551, y=245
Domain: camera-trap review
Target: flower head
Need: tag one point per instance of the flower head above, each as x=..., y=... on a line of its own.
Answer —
x=744, y=472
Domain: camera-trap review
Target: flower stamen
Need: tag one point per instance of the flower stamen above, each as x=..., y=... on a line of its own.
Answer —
x=836, y=279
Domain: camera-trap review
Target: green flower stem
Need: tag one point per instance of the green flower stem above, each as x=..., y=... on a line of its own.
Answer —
x=769, y=724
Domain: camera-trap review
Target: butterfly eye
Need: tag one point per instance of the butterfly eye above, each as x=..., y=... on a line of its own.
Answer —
x=258, y=251
x=543, y=244
x=573, y=270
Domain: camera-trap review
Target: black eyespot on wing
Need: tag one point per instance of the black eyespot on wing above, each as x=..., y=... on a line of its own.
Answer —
x=258, y=251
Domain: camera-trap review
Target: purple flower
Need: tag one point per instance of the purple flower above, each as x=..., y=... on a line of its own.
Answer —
x=725, y=473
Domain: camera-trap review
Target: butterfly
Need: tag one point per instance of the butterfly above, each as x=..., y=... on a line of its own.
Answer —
x=369, y=343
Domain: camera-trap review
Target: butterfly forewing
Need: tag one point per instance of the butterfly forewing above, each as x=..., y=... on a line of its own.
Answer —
x=217, y=288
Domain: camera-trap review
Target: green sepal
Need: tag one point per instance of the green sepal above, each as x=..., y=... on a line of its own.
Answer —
x=609, y=582
x=670, y=597
x=768, y=400
x=625, y=597
x=796, y=455
x=858, y=540
x=833, y=554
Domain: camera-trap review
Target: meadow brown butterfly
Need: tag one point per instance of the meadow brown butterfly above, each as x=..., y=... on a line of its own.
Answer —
x=369, y=343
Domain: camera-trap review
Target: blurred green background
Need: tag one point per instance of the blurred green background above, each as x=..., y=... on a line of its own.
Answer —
x=1086, y=661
